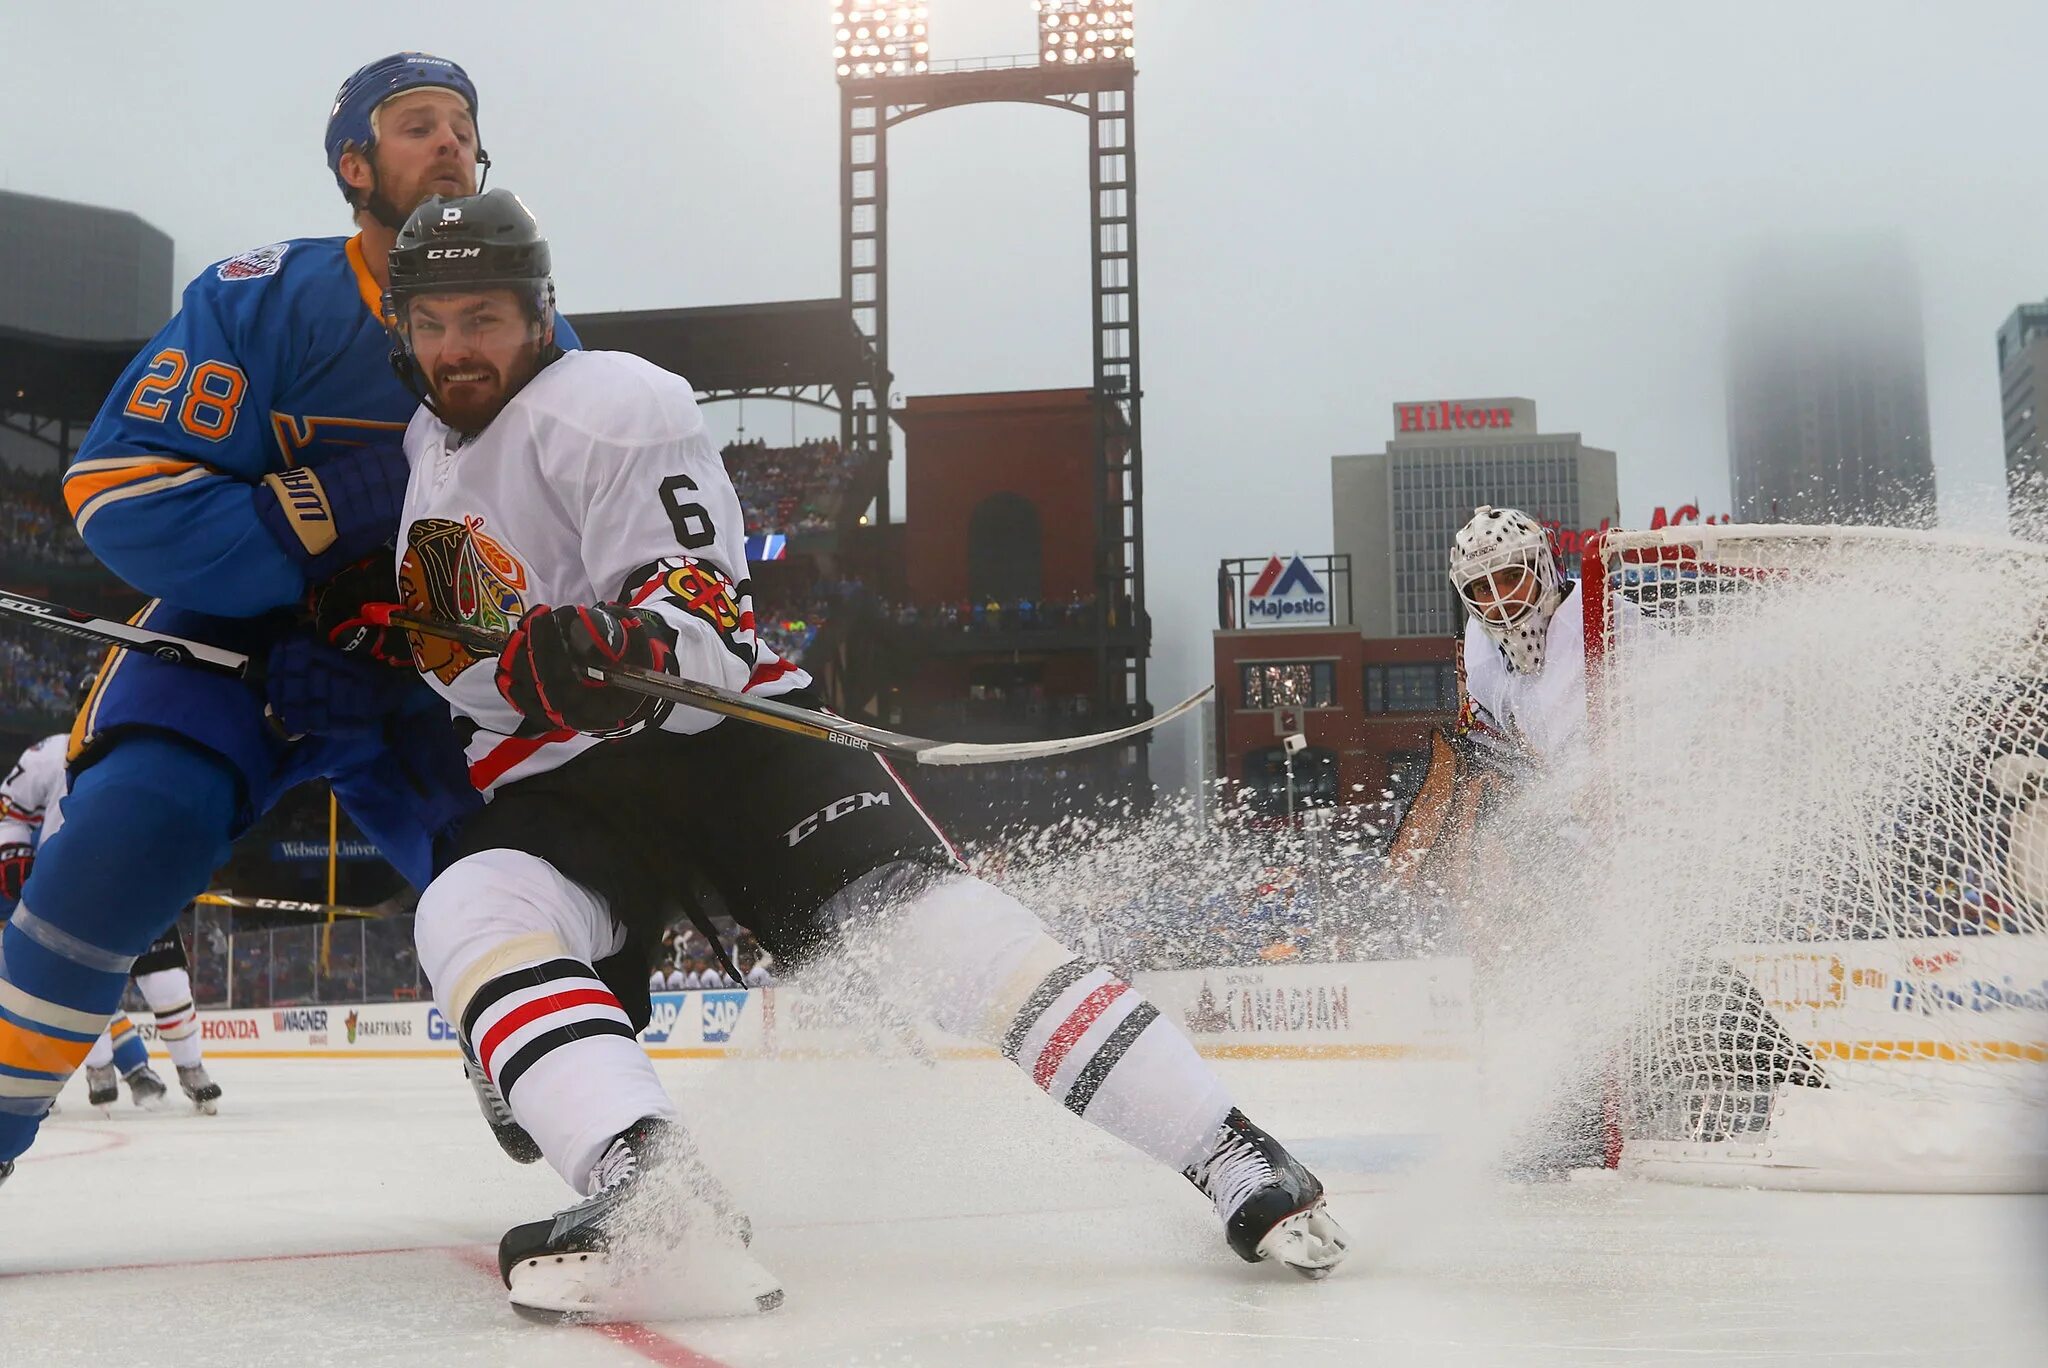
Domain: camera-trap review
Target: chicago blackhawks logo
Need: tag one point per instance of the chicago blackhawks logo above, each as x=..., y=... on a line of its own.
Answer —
x=705, y=592
x=453, y=570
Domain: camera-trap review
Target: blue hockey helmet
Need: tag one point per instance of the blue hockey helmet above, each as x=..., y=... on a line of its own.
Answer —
x=348, y=123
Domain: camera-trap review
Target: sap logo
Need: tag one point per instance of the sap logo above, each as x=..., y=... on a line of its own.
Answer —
x=1287, y=592
x=299, y=1019
x=453, y=253
x=437, y=1025
x=832, y=812
x=721, y=1014
x=662, y=1023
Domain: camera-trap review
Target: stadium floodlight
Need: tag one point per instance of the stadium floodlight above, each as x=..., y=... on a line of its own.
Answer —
x=1081, y=32
x=879, y=40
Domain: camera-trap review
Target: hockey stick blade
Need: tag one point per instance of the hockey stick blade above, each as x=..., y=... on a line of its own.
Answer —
x=124, y=636
x=767, y=712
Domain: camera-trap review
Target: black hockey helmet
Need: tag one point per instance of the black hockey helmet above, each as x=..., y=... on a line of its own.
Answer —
x=476, y=242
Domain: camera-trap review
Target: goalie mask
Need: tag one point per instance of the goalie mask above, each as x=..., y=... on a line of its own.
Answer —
x=1507, y=577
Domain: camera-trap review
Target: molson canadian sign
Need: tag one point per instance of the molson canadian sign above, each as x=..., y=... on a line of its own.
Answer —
x=1571, y=541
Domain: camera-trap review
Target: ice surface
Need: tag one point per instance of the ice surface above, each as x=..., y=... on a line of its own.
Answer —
x=345, y=1213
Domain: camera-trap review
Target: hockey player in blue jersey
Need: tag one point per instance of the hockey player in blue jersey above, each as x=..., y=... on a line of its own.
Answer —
x=246, y=472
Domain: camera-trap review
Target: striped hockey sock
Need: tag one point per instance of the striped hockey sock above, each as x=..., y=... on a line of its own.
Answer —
x=562, y=1052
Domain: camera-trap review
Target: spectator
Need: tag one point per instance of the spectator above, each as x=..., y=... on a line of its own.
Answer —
x=34, y=523
x=40, y=671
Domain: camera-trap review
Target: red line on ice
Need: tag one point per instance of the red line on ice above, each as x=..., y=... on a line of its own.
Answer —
x=643, y=1340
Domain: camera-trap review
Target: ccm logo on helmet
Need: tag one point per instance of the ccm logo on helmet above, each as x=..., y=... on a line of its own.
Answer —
x=453, y=253
x=832, y=812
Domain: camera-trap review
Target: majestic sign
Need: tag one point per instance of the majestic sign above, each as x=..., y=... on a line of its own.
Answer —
x=1286, y=593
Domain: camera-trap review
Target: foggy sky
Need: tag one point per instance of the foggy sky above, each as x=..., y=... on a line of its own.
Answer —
x=1361, y=203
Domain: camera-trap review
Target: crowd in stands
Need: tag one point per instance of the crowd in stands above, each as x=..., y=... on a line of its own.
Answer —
x=686, y=960
x=40, y=673
x=34, y=524
x=789, y=622
x=789, y=489
x=991, y=613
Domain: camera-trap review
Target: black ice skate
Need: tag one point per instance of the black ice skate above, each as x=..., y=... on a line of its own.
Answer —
x=102, y=1086
x=146, y=1089
x=510, y=1135
x=1272, y=1207
x=200, y=1087
x=6, y=1169
x=657, y=1239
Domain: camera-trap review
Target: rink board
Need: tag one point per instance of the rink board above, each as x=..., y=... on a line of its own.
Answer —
x=1954, y=1000
x=1390, y=1010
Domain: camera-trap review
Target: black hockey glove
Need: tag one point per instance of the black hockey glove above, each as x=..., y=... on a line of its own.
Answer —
x=15, y=862
x=544, y=669
x=338, y=605
x=334, y=514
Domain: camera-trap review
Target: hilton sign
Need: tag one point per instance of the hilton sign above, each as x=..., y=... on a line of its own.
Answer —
x=1446, y=415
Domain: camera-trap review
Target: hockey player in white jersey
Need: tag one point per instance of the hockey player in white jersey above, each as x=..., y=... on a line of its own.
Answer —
x=578, y=500
x=31, y=811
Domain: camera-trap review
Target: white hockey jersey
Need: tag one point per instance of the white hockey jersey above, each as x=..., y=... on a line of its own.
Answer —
x=1545, y=712
x=31, y=795
x=597, y=483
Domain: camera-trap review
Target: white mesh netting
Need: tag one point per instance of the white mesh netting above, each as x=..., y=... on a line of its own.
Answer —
x=1821, y=766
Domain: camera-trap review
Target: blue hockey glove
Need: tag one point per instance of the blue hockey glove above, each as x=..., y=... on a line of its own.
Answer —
x=330, y=515
x=313, y=688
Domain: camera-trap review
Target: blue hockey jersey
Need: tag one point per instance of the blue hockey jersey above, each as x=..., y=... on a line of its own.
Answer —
x=277, y=357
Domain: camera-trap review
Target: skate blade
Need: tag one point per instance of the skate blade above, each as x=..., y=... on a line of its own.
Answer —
x=1309, y=1242
x=207, y=1108
x=587, y=1289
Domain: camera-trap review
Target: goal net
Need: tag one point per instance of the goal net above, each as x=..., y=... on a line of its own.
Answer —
x=1822, y=757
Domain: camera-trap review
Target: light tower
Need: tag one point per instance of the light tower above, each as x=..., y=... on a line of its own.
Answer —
x=1083, y=61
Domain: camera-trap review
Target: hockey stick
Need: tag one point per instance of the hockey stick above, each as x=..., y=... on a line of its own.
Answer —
x=767, y=712
x=316, y=909
x=125, y=636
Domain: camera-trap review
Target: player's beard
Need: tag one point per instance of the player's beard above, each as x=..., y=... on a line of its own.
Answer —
x=471, y=407
x=446, y=179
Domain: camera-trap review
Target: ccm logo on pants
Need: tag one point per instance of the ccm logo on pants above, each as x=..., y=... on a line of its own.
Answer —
x=832, y=812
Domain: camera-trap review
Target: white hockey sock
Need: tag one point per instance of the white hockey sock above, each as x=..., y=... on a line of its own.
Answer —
x=169, y=995
x=102, y=1052
x=561, y=1050
x=1086, y=1038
